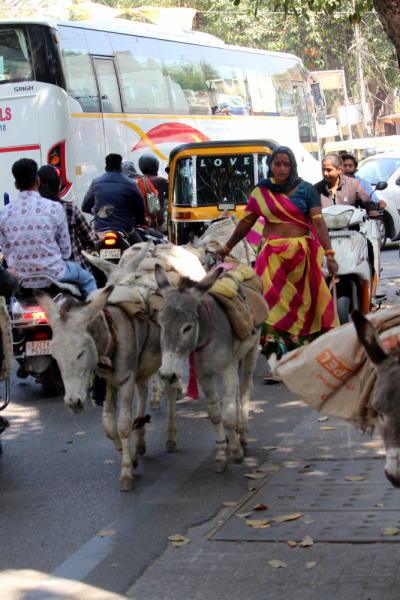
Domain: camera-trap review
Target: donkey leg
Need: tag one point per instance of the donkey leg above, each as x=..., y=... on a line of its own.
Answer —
x=230, y=381
x=127, y=391
x=207, y=383
x=109, y=422
x=140, y=432
x=155, y=392
x=170, y=393
x=246, y=388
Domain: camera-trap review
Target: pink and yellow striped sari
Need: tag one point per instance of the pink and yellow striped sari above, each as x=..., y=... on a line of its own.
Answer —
x=295, y=290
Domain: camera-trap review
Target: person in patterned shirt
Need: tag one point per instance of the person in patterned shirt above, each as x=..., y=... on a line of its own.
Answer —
x=34, y=235
x=81, y=233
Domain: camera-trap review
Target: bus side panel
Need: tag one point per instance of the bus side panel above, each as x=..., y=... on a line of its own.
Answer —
x=19, y=131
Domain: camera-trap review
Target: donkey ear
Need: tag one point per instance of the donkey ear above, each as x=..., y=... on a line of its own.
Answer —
x=104, y=265
x=92, y=310
x=133, y=265
x=163, y=282
x=369, y=338
x=49, y=307
x=204, y=285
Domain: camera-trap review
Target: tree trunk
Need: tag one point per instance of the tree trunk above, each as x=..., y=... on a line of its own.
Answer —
x=389, y=15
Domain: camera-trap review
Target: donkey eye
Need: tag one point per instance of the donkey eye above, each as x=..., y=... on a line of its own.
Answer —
x=81, y=354
x=187, y=328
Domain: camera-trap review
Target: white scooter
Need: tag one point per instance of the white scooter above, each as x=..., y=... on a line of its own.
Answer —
x=355, y=240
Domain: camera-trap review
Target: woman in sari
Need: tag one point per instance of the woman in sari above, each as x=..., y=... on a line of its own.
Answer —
x=294, y=241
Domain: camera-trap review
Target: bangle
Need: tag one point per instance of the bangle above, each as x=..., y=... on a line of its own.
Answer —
x=225, y=247
x=247, y=221
x=330, y=258
x=329, y=252
x=320, y=216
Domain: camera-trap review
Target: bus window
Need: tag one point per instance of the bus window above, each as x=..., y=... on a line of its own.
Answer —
x=15, y=61
x=144, y=88
x=81, y=84
x=108, y=84
x=187, y=82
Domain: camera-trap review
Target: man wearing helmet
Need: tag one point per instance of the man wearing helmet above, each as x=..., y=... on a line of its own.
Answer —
x=149, y=166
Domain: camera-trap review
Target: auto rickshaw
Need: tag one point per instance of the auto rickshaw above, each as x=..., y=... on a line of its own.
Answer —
x=206, y=178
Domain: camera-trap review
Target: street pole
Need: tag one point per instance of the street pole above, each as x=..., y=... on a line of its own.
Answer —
x=347, y=107
x=360, y=78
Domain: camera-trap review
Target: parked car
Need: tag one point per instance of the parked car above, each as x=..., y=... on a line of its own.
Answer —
x=384, y=167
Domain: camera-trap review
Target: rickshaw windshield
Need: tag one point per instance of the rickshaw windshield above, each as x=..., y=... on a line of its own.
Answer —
x=222, y=178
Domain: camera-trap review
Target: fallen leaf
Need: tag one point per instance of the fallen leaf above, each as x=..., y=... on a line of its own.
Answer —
x=176, y=538
x=291, y=543
x=309, y=522
x=47, y=461
x=270, y=447
x=255, y=522
x=107, y=533
x=277, y=564
x=287, y=518
x=255, y=475
x=182, y=542
x=354, y=478
x=243, y=515
x=265, y=526
x=230, y=503
x=221, y=521
x=327, y=428
x=379, y=504
x=390, y=531
x=251, y=489
x=311, y=565
x=306, y=467
x=109, y=462
x=307, y=542
x=249, y=417
x=260, y=507
x=81, y=433
x=257, y=411
x=322, y=419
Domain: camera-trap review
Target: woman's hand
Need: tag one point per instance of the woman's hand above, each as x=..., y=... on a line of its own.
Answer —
x=220, y=253
x=333, y=267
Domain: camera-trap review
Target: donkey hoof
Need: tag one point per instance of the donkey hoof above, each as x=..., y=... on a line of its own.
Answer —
x=245, y=447
x=125, y=484
x=171, y=446
x=134, y=460
x=154, y=404
x=141, y=450
x=237, y=459
x=221, y=466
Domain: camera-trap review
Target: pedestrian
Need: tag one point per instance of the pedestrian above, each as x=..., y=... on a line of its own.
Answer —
x=34, y=235
x=81, y=233
x=145, y=186
x=290, y=256
x=149, y=165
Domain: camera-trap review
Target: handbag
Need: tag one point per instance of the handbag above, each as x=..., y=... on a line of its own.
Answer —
x=153, y=203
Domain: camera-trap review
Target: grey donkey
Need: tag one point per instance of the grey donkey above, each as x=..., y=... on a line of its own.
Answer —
x=386, y=397
x=81, y=335
x=191, y=320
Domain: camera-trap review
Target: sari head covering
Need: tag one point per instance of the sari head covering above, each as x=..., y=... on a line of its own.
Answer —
x=294, y=179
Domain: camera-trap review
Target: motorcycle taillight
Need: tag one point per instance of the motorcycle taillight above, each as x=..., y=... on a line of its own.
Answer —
x=56, y=157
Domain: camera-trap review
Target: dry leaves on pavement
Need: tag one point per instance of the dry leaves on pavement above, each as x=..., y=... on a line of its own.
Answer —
x=179, y=540
x=327, y=428
x=109, y=461
x=243, y=515
x=260, y=507
x=258, y=411
x=81, y=433
x=106, y=533
x=277, y=564
x=390, y=531
x=322, y=419
x=230, y=503
x=287, y=518
x=311, y=565
x=380, y=504
x=307, y=542
x=354, y=478
x=270, y=447
x=291, y=543
x=257, y=524
x=256, y=475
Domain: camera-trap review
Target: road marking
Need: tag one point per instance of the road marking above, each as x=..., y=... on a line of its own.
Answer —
x=84, y=560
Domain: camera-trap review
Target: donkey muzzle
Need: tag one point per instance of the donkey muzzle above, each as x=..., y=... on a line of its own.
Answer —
x=75, y=403
x=168, y=377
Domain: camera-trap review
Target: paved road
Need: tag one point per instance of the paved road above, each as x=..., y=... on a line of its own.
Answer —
x=57, y=493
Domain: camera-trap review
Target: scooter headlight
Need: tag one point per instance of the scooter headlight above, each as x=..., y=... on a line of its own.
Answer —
x=340, y=221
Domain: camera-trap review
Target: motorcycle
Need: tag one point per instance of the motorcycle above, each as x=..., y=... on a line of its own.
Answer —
x=32, y=334
x=355, y=240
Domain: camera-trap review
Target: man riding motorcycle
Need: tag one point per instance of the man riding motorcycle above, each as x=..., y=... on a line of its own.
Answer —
x=114, y=188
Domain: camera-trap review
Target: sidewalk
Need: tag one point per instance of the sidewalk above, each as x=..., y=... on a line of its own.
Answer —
x=228, y=559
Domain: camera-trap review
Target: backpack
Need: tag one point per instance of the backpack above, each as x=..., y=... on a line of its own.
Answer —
x=153, y=203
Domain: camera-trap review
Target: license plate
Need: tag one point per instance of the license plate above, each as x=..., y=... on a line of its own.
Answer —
x=37, y=348
x=110, y=253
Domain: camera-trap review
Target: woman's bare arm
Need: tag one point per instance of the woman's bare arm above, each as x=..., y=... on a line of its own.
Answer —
x=242, y=229
x=322, y=233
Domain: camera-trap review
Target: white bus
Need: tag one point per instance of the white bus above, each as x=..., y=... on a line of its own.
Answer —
x=72, y=92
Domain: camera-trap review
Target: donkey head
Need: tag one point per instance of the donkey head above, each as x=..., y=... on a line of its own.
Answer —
x=179, y=320
x=72, y=345
x=386, y=398
x=116, y=273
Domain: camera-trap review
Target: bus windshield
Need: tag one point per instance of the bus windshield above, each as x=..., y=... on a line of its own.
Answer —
x=218, y=179
x=15, y=63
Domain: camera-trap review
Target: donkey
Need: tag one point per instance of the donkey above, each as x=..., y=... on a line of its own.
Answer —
x=190, y=321
x=386, y=397
x=82, y=335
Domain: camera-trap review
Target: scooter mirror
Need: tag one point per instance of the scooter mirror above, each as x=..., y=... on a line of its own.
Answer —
x=105, y=211
x=380, y=186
